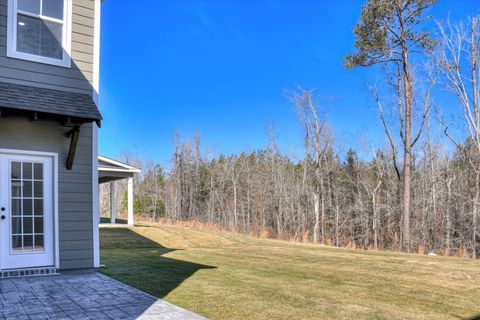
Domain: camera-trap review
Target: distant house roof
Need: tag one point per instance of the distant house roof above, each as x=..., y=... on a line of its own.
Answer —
x=49, y=101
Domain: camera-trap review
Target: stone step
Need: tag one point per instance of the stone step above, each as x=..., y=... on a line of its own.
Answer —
x=30, y=272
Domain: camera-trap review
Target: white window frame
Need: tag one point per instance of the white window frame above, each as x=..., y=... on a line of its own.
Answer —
x=66, y=35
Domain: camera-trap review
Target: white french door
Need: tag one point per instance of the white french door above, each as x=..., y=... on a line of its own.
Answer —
x=26, y=211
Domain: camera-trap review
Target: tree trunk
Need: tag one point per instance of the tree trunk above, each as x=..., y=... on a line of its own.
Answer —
x=448, y=222
x=316, y=199
x=407, y=143
x=323, y=212
x=235, y=205
x=337, y=213
x=375, y=231
x=474, y=215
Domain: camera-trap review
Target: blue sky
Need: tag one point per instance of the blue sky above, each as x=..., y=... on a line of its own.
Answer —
x=221, y=69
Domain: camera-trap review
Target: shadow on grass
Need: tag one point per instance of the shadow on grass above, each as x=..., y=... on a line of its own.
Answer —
x=141, y=262
x=118, y=221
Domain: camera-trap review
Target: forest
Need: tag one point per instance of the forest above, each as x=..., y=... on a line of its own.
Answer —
x=419, y=191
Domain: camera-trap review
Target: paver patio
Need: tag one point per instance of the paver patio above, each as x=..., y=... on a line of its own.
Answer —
x=81, y=295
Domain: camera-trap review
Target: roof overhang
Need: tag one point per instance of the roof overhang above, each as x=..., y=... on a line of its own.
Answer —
x=64, y=106
x=111, y=170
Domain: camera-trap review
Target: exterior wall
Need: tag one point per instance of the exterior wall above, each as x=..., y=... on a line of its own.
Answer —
x=74, y=187
x=78, y=78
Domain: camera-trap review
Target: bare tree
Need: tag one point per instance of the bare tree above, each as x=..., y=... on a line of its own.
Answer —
x=318, y=139
x=458, y=60
x=235, y=168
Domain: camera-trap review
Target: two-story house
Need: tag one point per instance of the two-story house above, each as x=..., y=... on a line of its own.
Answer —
x=49, y=71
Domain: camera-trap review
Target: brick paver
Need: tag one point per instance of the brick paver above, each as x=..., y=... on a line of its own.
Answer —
x=81, y=295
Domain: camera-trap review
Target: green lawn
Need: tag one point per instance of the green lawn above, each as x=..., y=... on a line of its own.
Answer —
x=227, y=276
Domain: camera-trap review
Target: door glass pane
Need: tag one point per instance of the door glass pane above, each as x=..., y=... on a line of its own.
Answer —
x=32, y=6
x=38, y=227
x=16, y=188
x=38, y=207
x=27, y=243
x=16, y=225
x=27, y=170
x=38, y=169
x=27, y=224
x=16, y=169
x=39, y=243
x=27, y=189
x=27, y=207
x=17, y=243
x=16, y=207
x=38, y=189
x=53, y=8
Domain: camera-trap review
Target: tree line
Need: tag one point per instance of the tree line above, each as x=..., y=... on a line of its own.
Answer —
x=419, y=192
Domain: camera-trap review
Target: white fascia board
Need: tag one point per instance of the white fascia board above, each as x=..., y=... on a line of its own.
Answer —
x=118, y=163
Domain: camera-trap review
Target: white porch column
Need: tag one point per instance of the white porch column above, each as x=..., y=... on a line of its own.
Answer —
x=130, y=201
x=112, y=202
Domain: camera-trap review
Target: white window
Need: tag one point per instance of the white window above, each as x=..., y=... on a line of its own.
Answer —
x=40, y=31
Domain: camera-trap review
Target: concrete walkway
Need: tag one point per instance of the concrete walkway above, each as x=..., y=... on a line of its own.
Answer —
x=85, y=295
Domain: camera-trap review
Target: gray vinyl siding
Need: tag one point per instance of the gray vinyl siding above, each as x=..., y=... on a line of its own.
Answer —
x=78, y=78
x=74, y=187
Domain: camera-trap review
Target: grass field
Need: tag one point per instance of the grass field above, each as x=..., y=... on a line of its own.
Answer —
x=227, y=276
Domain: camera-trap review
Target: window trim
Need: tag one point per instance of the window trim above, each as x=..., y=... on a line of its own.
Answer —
x=66, y=35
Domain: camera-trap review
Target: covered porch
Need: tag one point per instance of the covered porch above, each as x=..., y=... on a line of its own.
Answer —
x=110, y=171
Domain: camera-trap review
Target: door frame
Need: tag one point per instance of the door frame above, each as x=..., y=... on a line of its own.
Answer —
x=54, y=156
